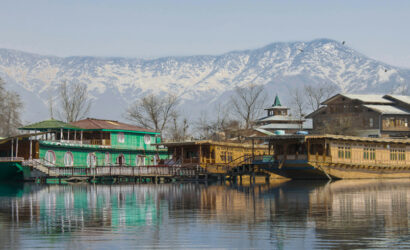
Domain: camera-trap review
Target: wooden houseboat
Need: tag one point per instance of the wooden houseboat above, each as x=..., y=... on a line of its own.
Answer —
x=214, y=156
x=339, y=157
x=86, y=143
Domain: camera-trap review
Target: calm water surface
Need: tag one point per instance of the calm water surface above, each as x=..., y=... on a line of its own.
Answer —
x=282, y=215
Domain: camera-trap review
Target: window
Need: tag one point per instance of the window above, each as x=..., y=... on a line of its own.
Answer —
x=344, y=152
x=68, y=159
x=369, y=154
x=91, y=160
x=397, y=154
x=120, y=160
x=139, y=160
x=348, y=152
x=147, y=139
x=371, y=122
x=50, y=158
x=120, y=137
x=223, y=156
x=107, y=159
x=230, y=158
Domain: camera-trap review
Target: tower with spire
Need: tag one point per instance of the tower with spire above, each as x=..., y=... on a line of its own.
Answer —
x=277, y=108
x=278, y=118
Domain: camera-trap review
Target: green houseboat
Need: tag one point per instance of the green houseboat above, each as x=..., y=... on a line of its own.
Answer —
x=87, y=143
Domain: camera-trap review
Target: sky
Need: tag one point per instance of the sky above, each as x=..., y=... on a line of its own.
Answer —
x=155, y=28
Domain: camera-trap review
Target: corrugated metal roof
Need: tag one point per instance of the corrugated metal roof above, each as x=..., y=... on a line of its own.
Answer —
x=401, y=98
x=278, y=118
x=368, y=98
x=277, y=126
x=50, y=124
x=388, y=109
x=97, y=124
x=337, y=137
x=263, y=131
x=357, y=138
x=210, y=142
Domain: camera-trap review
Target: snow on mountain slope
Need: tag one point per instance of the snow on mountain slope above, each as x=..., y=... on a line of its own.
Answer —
x=200, y=81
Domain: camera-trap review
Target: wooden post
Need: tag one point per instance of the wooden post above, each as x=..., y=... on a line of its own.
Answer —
x=68, y=134
x=200, y=154
x=61, y=134
x=75, y=135
x=12, y=148
x=17, y=146
x=31, y=148
x=182, y=156
x=81, y=137
x=253, y=149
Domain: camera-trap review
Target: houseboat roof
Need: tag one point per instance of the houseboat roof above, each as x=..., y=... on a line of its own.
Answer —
x=367, y=99
x=334, y=137
x=276, y=126
x=400, y=98
x=109, y=125
x=278, y=118
x=50, y=124
x=357, y=138
x=387, y=109
x=4, y=140
x=210, y=142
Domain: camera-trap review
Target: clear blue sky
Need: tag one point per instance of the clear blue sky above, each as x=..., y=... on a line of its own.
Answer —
x=377, y=28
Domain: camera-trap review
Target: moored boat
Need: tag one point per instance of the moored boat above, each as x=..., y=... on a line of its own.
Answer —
x=339, y=157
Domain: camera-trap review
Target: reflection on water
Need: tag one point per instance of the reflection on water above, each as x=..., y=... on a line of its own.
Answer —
x=282, y=215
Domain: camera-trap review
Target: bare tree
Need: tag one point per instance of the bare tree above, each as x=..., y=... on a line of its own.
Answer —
x=75, y=103
x=299, y=103
x=179, y=129
x=153, y=111
x=248, y=102
x=218, y=127
x=10, y=110
x=319, y=93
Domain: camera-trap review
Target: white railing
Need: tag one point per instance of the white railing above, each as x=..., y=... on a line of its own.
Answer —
x=7, y=159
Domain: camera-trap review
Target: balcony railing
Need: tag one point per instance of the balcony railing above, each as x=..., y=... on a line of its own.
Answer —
x=11, y=159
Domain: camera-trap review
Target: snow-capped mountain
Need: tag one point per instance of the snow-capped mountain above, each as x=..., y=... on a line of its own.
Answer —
x=200, y=81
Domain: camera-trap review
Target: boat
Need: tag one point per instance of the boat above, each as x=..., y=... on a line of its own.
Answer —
x=337, y=157
x=53, y=146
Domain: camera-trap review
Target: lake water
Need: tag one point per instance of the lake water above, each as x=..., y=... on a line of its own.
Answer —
x=281, y=215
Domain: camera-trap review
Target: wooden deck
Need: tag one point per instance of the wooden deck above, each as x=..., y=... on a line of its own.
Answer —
x=124, y=171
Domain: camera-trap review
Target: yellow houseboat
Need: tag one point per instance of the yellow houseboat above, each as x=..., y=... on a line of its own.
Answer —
x=215, y=157
x=340, y=157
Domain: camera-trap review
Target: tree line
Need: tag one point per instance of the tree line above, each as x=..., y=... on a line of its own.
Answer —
x=162, y=113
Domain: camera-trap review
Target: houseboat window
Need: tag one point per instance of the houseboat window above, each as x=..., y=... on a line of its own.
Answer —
x=340, y=152
x=107, y=159
x=120, y=137
x=230, y=158
x=50, y=158
x=347, y=152
x=369, y=154
x=223, y=156
x=139, y=160
x=147, y=139
x=397, y=154
x=120, y=160
x=371, y=122
x=68, y=159
x=344, y=152
x=91, y=160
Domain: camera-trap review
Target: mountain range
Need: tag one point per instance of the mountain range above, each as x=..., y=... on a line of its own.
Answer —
x=200, y=81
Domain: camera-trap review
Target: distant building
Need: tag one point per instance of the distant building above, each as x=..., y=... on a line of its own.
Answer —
x=364, y=115
x=278, y=118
